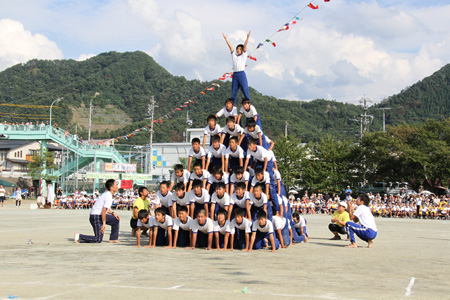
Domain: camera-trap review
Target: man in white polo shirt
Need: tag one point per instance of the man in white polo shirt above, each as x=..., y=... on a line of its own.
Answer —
x=101, y=215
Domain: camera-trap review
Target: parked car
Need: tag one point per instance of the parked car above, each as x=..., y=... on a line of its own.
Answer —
x=375, y=188
x=400, y=188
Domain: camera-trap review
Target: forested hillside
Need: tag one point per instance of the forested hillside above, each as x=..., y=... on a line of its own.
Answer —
x=126, y=82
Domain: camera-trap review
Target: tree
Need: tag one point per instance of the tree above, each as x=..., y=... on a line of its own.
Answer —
x=289, y=153
x=44, y=160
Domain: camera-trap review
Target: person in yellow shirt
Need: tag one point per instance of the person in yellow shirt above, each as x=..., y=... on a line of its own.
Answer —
x=338, y=220
x=140, y=203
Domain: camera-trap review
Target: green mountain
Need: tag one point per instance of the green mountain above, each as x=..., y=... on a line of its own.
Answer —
x=127, y=81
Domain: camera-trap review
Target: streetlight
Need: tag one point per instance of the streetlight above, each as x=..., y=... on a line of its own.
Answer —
x=90, y=115
x=51, y=106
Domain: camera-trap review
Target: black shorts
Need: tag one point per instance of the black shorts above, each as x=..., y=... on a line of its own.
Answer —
x=133, y=223
x=2, y=198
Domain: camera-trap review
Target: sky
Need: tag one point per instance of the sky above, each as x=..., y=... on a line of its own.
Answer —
x=343, y=51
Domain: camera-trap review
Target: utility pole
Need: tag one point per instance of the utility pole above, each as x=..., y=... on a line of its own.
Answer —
x=384, y=117
x=90, y=115
x=285, y=129
x=150, y=113
x=365, y=119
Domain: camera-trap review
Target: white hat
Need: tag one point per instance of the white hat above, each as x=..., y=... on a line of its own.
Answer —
x=342, y=203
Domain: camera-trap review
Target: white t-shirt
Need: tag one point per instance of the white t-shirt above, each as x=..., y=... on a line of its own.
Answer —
x=184, y=178
x=276, y=175
x=198, y=155
x=177, y=224
x=168, y=222
x=238, y=61
x=278, y=223
x=222, y=229
x=235, y=132
x=202, y=199
x=301, y=223
x=2, y=192
x=164, y=200
x=245, y=225
x=241, y=202
x=218, y=153
x=255, y=133
x=259, y=154
x=245, y=177
x=105, y=200
x=258, y=202
x=223, y=202
x=238, y=153
x=205, y=175
x=217, y=130
x=249, y=113
x=224, y=112
x=268, y=227
x=150, y=223
x=265, y=180
x=185, y=201
x=365, y=217
x=225, y=179
x=206, y=228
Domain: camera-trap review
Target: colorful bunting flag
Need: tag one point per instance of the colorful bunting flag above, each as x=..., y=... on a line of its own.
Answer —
x=259, y=45
x=251, y=57
x=216, y=84
x=312, y=6
x=202, y=92
x=177, y=108
x=210, y=89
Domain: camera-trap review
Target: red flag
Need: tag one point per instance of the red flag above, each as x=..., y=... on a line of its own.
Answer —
x=202, y=92
x=155, y=121
x=191, y=101
x=185, y=105
x=177, y=108
x=251, y=57
x=273, y=43
x=312, y=6
x=210, y=89
x=222, y=78
x=160, y=121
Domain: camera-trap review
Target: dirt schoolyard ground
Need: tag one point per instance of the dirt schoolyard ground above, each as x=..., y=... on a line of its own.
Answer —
x=410, y=260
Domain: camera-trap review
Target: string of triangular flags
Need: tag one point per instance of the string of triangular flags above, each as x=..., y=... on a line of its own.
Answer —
x=292, y=21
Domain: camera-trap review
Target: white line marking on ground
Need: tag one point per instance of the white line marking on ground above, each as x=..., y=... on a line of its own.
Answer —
x=174, y=287
x=410, y=285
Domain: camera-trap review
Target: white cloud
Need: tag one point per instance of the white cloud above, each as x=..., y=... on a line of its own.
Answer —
x=85, y=56
x=18, y=45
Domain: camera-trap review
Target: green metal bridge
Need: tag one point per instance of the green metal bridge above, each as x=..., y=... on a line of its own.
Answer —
x=83, y=153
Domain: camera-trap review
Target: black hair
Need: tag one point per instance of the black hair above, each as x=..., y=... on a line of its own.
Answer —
x=215, y=138
x=240, y=185
x=240, y=46
x=178, y=167
x=252, y=141
x=165, y=182
x=198, y=164
x=197, y=182
x=258, y=186
x=245, y=101
x=211, y=117
x=202, y=211
x=179, y=186
x=234, y=138
x=230, y=119
x=141, y=190
x=364, y=198
x=109, y=184
x=142, y=214
x=220, y=185
x=239, y=212
x=296, y=216
x=222, y=211
x=251, y=122
x=261, y=214
x=160, y=210
x=195, y=140
x=182, y=208
x=259, y=170
x=229, y=100
x=239, y=170
x=217, y=170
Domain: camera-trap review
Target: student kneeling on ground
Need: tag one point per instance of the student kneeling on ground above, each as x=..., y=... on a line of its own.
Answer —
x=147, y=222
x=338, y=220
x=367, y=231
x=202, y=231
x=263, y=234
x=101, y=215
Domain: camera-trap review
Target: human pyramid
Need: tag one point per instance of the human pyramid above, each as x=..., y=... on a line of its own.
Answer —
x=233, y=199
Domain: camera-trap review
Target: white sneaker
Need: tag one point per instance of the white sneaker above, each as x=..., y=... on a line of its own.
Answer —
x=76, y=238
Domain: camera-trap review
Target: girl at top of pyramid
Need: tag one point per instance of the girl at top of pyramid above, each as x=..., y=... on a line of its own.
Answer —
x=239, y=58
